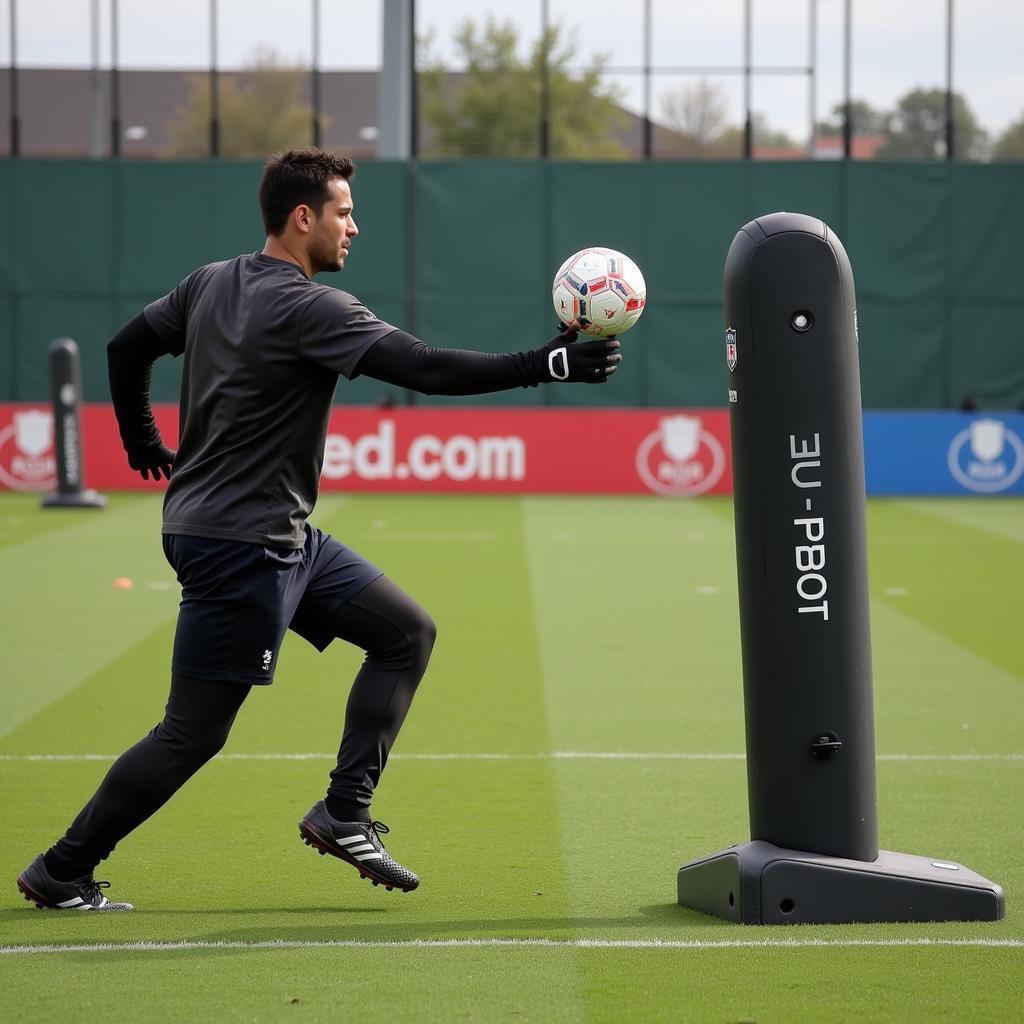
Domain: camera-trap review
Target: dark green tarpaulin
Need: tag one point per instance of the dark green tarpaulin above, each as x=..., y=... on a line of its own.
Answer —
x=462, y=253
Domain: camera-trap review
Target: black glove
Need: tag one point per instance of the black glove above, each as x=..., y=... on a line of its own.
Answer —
x=155, y=458
x=567, y=360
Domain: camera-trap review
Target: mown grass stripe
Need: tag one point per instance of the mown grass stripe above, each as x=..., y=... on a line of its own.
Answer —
x=571, y=944
x=64, y=619
x=977, y=569
x=23, y=519
x=1003, y=516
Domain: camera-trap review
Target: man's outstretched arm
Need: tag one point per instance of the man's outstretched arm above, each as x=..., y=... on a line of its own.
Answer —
x=403, y=360
x=130, y=357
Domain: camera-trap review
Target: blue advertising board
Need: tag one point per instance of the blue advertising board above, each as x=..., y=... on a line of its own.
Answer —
x=944, y=453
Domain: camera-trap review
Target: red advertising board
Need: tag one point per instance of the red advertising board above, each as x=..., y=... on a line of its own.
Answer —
x=460, y=450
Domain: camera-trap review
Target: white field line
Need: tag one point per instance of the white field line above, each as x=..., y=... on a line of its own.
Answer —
x=556, y=755
x=694, y=944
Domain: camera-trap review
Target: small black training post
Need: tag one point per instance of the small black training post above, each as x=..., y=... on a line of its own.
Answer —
x=66, y=385
x=801, y=551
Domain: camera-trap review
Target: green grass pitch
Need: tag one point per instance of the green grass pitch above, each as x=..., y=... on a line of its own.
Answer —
x=577, y=738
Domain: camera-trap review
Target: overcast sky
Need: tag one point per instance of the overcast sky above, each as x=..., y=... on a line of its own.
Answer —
x=897, y=44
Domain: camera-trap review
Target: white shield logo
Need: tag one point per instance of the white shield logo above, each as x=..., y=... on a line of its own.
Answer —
x=987, y=457
x=33, y=432
x=680, y=437
x=988, y=437
x=680, y=457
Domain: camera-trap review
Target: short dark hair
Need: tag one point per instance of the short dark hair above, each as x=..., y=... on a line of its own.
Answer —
x=297, y=177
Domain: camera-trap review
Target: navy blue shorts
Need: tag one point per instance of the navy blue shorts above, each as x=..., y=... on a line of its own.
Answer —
x=238, y=599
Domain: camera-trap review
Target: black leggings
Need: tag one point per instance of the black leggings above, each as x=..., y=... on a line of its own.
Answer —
x=397, y=635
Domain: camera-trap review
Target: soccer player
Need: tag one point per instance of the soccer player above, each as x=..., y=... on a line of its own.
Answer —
x=264, y=346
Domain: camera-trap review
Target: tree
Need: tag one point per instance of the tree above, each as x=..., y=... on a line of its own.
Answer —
x=867, y=120
x=1010, y=145
x=260, y=111
x=766, y=137
x=493, y=108
x=916, y=129
x=698, y=116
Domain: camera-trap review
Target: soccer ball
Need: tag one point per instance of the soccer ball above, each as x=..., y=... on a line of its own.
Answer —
x=601, y=289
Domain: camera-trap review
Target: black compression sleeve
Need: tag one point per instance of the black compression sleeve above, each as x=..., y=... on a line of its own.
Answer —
x=405, y=361
x=130, y=357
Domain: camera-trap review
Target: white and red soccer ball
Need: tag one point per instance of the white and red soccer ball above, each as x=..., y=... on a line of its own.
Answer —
x=602, y=290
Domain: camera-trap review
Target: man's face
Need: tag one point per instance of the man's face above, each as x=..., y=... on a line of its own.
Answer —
x=333, y=230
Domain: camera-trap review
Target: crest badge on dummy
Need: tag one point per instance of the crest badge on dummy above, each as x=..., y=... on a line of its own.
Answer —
x=730, y=348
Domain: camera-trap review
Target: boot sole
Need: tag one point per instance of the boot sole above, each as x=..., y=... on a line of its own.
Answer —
x=311, y=837
x=32, y=896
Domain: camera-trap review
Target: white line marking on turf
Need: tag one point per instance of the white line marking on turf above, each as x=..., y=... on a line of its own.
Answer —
x=160, y=947
x=556, y=755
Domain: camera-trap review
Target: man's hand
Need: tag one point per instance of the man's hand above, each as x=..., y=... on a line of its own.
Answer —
x=155, y=458
x=579, y=362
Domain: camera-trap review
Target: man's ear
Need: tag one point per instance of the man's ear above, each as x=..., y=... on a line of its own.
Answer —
x=302, y=216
